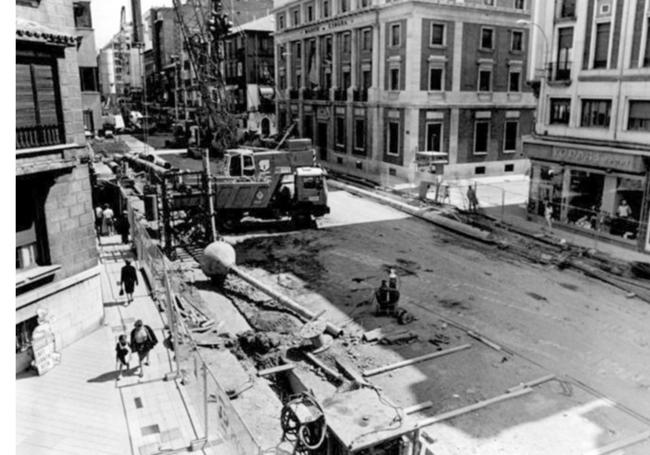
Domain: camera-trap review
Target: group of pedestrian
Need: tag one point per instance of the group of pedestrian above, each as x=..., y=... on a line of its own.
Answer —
x=142, y=341
x=106, y=223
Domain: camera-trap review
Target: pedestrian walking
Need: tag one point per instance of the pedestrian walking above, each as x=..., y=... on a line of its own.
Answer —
x=122, y=355
x=128, y=281
x=446, y=196
x=143, y=340
x=109, y=220
x=472, y=199
x=123, y=226
x=548, y=214
x=99, y=219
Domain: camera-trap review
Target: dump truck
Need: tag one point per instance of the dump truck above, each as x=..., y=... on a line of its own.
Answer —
x=266, y=184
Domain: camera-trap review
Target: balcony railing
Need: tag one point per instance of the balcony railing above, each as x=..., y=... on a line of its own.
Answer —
x=341, y=94
x=39, y=136
x=559, y=71
x=361, y=95
x=322, y=94
x=308, y=94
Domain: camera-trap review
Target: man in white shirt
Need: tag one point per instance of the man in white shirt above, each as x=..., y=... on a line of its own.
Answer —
x=624, y=210
x=99, y=219
x=108, y=220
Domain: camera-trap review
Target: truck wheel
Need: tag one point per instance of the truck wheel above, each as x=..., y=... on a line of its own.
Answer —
x=229, y=224
x=301, y=220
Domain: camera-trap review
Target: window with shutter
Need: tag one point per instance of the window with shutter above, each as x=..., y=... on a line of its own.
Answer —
x=602, y=45
x=38, y=112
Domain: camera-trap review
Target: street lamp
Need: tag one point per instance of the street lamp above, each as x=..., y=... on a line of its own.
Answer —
x=544, y=77
x=545, y=52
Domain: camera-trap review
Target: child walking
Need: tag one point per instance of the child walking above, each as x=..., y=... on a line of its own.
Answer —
x=122, y=354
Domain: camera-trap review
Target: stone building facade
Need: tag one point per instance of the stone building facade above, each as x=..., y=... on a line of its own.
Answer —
x=56, y=254
x=590, y=153
x=407, y=88
x=249, y=75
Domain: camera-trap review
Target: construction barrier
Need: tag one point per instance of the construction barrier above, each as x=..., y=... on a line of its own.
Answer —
x=216, y=422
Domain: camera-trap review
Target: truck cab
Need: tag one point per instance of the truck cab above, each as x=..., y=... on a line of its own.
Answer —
x=311, y=190
x=240, y=163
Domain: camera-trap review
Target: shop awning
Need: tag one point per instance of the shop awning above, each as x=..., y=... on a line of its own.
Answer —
x=39, y=33
x=267, y=92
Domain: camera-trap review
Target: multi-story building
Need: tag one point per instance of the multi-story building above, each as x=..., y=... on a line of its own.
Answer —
x=121, y=66
x=591, y=146
x=174, y=81
x=248, y=70
x=398, y=88
x=56, y=254
x=90, y=96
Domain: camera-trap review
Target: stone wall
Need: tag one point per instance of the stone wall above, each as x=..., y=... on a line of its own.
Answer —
x=75, y=309
x=70, y=223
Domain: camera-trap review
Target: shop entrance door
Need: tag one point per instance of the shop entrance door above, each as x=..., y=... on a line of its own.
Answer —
x=322, y=141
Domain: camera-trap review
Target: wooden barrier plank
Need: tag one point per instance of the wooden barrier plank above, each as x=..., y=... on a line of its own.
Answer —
x=421, y=358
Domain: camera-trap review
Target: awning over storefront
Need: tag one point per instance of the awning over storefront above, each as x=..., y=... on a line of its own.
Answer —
x=609, y=158
x=39, y=33
x=267, y=92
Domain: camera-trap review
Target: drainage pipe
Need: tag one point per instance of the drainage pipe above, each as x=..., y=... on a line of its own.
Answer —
x=287, y=302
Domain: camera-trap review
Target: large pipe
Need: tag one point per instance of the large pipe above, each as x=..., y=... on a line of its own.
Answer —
x=287, y=302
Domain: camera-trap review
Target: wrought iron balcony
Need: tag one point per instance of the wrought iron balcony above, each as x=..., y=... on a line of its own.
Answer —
x=322, y=94
x=340, y=94
x=361, y=95
x=39, y=136
x=559, y=71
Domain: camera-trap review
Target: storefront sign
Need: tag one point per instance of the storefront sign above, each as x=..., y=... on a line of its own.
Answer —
x=586, y=157
x=43, y=345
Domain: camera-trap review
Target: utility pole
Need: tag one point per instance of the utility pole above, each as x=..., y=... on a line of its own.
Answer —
x=212, y=228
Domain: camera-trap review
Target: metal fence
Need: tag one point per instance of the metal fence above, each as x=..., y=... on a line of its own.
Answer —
x=510, y=202
x=218, y=425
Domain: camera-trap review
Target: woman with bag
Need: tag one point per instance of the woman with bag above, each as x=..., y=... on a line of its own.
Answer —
x=143, y=339
x=128, y=281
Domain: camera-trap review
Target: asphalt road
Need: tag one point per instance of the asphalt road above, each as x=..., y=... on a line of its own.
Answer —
x=561, y=320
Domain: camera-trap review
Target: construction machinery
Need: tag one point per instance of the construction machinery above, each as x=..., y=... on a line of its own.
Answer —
x=265, y=184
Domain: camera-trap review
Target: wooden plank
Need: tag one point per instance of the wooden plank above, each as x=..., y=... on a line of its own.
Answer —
x=473, y=407
x=277, y=369
x=316, y=361
x=484, y=340
x=418, y=407
x=372, y=335
x=532, y=383
x=421, y=358
x=625, y=442
x=350, y=370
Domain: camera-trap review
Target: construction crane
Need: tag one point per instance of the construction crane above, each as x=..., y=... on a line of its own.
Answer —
x=203, y=24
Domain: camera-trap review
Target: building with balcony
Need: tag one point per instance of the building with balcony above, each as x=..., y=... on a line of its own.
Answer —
x=248, y=70
x=407, y=88
x=56, y=255
x=88, y=72
x=121, y=67
x=591, y=147
x=172, y=82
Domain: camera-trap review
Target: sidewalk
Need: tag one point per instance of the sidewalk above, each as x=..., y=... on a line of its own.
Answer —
x=512, y=193
x=79, y=407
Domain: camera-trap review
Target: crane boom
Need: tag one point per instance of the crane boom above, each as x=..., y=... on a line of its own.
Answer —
x=204, y=50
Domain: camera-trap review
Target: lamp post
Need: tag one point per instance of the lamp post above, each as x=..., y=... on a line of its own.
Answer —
x=544, y=77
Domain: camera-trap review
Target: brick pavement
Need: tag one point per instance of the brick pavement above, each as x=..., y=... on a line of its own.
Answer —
x=79, y=407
